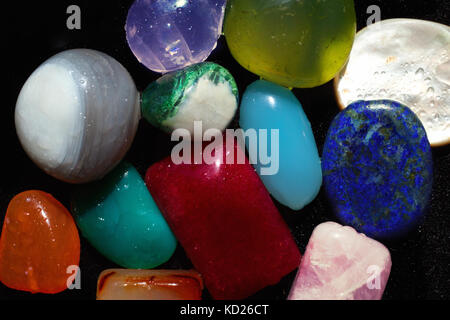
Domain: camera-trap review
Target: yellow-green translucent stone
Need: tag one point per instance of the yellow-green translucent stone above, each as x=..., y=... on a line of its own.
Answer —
x=295, y=43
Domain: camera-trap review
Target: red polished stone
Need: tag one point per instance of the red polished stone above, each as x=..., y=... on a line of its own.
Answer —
x=227, y=223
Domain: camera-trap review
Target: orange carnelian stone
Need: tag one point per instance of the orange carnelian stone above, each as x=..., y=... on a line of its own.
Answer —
x=39, y=242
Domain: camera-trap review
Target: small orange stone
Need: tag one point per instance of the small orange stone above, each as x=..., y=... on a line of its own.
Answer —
x=129, y=284
x=39, y=242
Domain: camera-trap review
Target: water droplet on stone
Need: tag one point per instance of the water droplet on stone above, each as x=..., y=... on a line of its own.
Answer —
x=419, y=73
x=437, y=118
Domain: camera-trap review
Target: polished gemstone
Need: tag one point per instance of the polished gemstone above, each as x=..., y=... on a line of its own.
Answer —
x=341, y=264
x=77, y=114
x=39, y=246
x=226, y=221
x=406, y=60
x=118, y=216
x=378, y=168
x=293, y=43
x=294, y=175
x=204, y=92
x=168, y=35
x=127, y=284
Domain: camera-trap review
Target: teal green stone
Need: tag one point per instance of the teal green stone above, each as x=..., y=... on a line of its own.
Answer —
x=119, y=217
x=162, y=99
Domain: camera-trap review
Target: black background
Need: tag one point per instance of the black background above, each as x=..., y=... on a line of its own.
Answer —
x=37, y=30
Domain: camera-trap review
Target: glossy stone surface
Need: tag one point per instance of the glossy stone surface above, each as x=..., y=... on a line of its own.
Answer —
x=267, y=106
x=127, y=284
x=378, y=169
x=240, y=244
x=168, y=35
x=341, y=264
x=204, y=92
x=118, y=216
x=77, y=114
x=293, y=43
x=406, y=60
x=39, y=242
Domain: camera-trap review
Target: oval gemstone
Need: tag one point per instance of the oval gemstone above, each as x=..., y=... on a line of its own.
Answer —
x=293, y=43
x=172, y=34
x=377, y=167
x=293, y=174
x=204, y=92
x=118, y=216
x=39, y=243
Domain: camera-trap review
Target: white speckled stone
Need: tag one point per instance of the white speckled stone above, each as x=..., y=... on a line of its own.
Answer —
x=405, y=60
x=77, y=114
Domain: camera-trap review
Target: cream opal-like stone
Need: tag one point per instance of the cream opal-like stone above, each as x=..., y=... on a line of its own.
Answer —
x=405, y=60
x=341, y=264
x=77, y=114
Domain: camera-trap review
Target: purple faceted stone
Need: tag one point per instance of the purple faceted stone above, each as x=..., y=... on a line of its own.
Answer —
x=167, y=35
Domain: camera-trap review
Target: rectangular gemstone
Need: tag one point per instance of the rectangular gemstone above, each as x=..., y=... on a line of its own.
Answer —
x=130, y=284
x=226, y=221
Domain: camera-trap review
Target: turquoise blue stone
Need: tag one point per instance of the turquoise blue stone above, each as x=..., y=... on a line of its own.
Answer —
x=268, y=106
x=378, y=168
x=118, y=216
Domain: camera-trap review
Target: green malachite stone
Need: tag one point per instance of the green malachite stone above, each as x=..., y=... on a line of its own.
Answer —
x=118, y=216
x=203, y=92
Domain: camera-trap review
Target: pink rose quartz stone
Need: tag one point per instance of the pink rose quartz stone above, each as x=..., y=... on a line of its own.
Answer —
x=341, y=264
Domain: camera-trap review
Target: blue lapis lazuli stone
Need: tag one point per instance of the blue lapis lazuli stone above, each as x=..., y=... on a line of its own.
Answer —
x=294, y=176
x=378, y=168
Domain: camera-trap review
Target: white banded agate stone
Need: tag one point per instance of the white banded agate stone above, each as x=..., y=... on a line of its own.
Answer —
x=341, y=264
x=77, y=114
